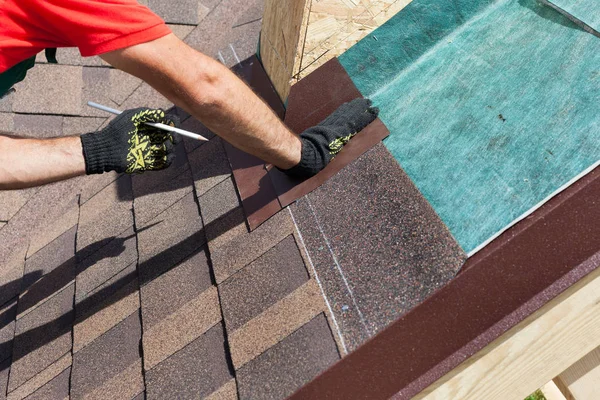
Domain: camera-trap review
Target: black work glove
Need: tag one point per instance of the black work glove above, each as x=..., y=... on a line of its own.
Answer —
x=128, y=145
x=321, y=143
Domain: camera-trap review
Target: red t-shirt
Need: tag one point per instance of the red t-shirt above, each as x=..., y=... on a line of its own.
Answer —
x=94, y=26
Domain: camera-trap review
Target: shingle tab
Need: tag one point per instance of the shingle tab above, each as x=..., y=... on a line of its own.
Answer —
x=239, y=251
x=181, y=328
x=107, y=214
x=162, y=197
x=42, y=337
x=57, y=388
x=282, y=369
x=275, y=323
x=12, y=270
x=262, y=283
x=209, y=166
x=37, y=125
x=50, y=89
x=4, y=370
x=168, y=293
x=54, y=265
x=42, y=378
x=218, y=201
x=169, y=238
x=99, y=267
x=106, y=306
x=8, y=313
x=193, y=125
x=12, y=201
x=196, y=371
x=108, y=357
x=46, y=233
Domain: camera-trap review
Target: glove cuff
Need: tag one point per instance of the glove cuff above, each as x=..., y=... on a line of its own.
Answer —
x=99, y=153
x=312, y=161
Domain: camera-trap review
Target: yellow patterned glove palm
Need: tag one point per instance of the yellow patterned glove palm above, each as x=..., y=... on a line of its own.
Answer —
x=128, y=145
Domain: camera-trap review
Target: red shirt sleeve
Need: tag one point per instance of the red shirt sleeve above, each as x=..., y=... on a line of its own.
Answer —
x=94, y=26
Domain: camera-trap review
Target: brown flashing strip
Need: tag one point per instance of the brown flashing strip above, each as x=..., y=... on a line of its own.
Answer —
x=523, y=270
x=289, y=189
x=264, y=191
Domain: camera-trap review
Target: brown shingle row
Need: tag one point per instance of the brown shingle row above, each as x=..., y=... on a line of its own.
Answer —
x=111, y=366
x=42, y=337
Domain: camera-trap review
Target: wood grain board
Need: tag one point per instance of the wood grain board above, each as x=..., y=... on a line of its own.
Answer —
x=298, y=36
x=581, y=381
x=532, y=353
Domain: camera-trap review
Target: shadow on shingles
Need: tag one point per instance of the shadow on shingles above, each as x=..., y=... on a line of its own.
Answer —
x=547, y=12
x=56, y=280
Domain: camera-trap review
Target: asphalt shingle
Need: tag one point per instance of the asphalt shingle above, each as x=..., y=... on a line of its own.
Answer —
x=80, y=125
x=41, y=379
x=218, y=202
x=181, y=328
x=180, y=12
x=42, y=337
x=12, y=270
x=12, y=201
x=196, y=371
x=193, y=125
x=105, y=307
x=8, y=313
x=107, y=262
x=174, y=289
x=275, y=323
x=169, y=238
x=57, y=388
x=46, y=233
x=113, y=358
x=4, y=370
x=232, y=256
x=262, y=283
x=209, y=166
x=50, y=89
x=37, y=126
x=297, y=359
x=48, y=271
x=161, y=198
x=95, y=225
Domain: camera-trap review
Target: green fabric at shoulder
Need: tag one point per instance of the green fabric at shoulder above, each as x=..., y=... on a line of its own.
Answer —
x=15, y=75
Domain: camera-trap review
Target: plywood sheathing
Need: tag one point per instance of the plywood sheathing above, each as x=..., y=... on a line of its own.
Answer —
x=336, y=25
x=282, y=36
x=298, y=36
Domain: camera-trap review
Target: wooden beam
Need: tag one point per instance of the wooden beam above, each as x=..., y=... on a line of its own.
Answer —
x=532, y=353
x=298, y=36
x=581, y=381
x=552, y=392
x=282, y=39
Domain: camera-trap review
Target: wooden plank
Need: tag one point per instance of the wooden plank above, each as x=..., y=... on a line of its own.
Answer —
x=582, y=379
x=336, y=25
x=282, y=40
x=298, y=36
x=532, y=353
x=552, y=392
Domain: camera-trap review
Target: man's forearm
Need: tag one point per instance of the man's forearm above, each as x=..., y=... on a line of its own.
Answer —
x=31, y=162
x=214, y=95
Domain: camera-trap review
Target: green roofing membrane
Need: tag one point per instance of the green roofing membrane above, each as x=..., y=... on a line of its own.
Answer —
x=584, y=12
x=492, y=105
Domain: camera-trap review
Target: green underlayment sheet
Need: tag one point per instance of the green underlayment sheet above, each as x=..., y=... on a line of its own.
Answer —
x=492, y=105
x=582, y=11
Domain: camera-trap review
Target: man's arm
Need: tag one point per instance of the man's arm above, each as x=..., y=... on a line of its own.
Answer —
x=209, y=91
x=126, y=144
x=32, y=162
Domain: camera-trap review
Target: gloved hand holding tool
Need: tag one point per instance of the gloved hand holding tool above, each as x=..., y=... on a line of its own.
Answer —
x=129, y=145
